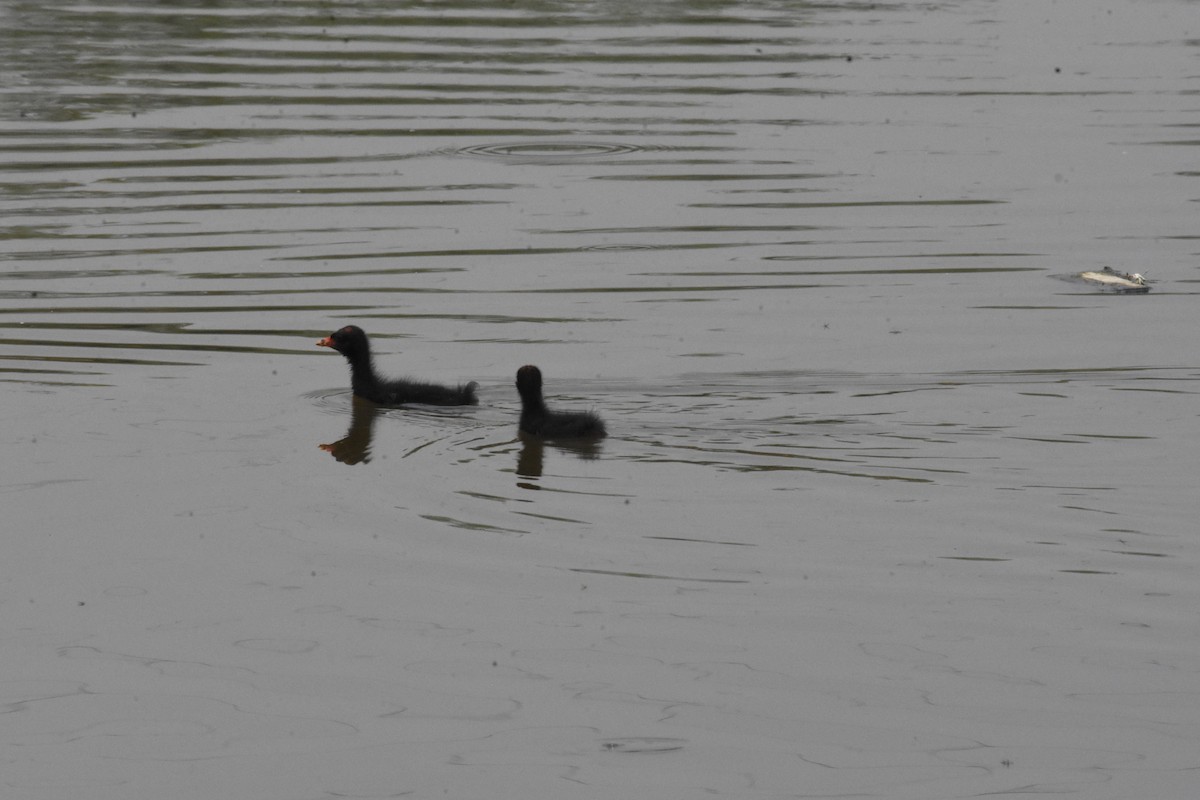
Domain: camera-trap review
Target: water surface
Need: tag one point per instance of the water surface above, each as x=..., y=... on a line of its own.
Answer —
x=886, y=510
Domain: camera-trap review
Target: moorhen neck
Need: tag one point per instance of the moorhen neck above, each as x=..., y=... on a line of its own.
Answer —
x=351, y=342
x=538, y=420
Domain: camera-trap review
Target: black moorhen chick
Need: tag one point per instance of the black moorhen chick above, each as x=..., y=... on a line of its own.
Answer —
x=538, y=420
x=351, y=341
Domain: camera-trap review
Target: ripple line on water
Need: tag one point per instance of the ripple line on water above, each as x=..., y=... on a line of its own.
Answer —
x=550, y=152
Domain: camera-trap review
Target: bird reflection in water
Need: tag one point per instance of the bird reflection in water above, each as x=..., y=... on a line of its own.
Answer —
x=355, y=446
x=533, y=451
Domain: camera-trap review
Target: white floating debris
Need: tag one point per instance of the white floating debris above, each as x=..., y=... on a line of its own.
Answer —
x=1111, y=280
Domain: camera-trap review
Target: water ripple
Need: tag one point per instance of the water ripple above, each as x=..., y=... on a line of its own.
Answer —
x=549, y=152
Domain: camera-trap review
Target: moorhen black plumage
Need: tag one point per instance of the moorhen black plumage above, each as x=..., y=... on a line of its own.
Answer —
x=538, y=420
x=351, y=342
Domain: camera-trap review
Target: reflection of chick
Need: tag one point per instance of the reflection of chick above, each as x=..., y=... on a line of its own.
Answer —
x=355, y=446
x=531, y=457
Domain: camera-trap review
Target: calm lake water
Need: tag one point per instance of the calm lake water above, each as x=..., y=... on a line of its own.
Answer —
x=887, y=508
